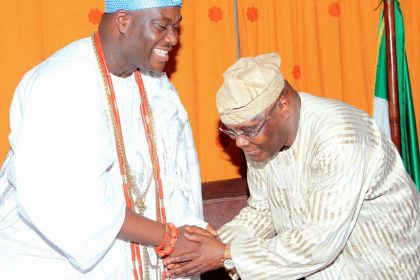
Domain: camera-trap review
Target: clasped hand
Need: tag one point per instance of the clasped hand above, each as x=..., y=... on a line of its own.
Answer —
x=197, y=250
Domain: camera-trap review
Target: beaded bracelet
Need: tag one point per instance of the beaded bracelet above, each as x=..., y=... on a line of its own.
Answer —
x=165, y=238
x=162, y=252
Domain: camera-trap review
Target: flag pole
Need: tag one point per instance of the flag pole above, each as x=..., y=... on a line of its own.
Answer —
x=391, y=61
x=238, y=38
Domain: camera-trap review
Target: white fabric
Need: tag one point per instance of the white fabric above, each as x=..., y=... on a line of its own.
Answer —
x=337, y=204
x=381, y=114
x=63, y=200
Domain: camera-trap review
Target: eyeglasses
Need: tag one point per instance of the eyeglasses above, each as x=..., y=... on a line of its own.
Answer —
x=248, y=133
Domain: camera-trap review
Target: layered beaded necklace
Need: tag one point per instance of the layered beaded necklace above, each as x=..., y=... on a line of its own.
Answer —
x=133, y=198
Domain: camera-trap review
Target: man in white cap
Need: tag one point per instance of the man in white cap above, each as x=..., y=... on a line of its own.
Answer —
x=329, y=195
x=101, y=154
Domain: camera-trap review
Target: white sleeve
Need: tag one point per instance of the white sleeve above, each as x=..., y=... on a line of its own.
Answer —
x=187, y=195
x=253, y=221
x=190, y=179
x=63, y=155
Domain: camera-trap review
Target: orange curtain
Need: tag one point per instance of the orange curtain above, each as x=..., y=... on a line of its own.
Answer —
x=207, y=48
x=31, y=31
x=328, y=48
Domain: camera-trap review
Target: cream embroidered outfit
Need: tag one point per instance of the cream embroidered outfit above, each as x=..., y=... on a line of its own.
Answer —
x=337, y=205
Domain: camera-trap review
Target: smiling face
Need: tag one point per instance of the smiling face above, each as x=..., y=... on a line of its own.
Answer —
x=150, y=35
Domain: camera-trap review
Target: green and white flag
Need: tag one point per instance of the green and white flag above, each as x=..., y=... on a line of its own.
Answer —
x=409, y=141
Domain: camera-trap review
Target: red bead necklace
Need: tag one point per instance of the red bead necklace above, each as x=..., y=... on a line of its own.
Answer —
x=148, y=124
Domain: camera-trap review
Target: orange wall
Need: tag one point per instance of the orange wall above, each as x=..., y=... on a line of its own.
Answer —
x=327, y=47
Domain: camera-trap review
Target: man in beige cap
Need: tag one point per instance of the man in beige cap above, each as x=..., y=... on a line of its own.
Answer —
x=330, y=198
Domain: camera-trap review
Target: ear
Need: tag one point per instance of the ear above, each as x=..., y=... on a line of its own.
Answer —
x=122, y=20
x=284, y=106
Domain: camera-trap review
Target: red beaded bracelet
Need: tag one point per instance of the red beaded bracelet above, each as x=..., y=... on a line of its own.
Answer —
x=162, y=252
x=165, y=238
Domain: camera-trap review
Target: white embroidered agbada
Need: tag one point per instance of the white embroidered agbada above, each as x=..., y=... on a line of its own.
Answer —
x=337, y=204
x=62, y=203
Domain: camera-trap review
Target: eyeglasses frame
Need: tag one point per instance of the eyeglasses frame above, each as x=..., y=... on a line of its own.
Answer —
x=254, y=133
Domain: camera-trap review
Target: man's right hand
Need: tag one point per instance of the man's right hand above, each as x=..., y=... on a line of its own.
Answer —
x=207, y=256
x=188, y=245
x=183, y=245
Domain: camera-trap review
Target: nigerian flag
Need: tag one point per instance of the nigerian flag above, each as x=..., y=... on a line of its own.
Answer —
x=409, y=142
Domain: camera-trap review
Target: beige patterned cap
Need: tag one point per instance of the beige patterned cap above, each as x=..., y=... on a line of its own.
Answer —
x=251, y=85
